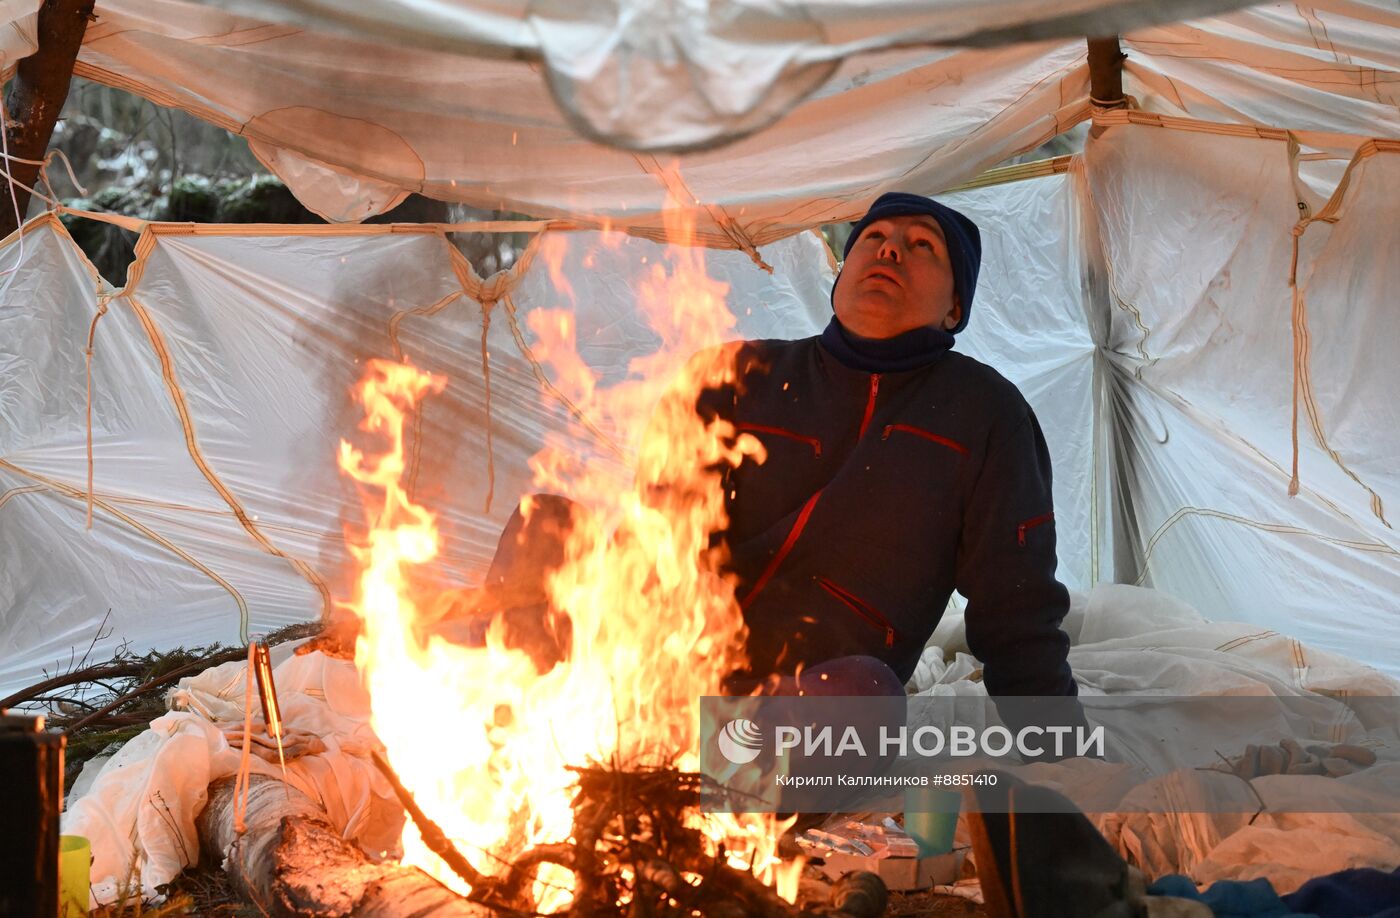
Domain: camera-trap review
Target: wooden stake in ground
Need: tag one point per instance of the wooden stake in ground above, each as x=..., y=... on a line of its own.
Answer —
x=37, y=94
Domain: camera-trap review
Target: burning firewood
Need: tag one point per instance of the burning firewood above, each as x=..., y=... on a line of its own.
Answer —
x=632, y=853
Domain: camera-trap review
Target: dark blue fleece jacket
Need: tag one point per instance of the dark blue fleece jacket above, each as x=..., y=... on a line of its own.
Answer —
x=896, y=471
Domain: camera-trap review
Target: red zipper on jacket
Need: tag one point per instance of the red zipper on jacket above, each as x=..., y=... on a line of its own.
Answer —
x=783, y=432
x=1031, y=524
x=869, y=404
x=860, y=607
x=926, y=434
x=806, y=512
x=801, y=523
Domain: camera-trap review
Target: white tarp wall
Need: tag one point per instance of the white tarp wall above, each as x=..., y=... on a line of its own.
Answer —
x=1197, y=231
x=221, y=387
x=1029, y=320
x=1143, y=305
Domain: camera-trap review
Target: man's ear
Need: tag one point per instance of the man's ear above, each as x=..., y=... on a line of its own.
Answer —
x=954, y=316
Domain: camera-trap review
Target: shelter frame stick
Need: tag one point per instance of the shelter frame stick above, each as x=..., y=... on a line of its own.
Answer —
x=36, y=97
x=1106, y=72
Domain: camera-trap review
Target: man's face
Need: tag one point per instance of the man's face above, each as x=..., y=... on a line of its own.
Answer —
x=896, y=278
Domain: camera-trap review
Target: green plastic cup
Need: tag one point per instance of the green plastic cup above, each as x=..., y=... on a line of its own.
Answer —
x=74, y=865
x=931, y=818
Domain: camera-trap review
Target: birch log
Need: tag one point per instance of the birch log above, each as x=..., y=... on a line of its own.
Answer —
x=292, y=862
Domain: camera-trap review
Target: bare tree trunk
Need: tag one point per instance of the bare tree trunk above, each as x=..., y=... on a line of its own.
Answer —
x=37, y=94
x=291, y=862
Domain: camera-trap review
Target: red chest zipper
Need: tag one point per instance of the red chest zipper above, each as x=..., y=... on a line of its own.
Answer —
x=926, y=434
x=860, y=607
x=869, y=404
x=806, y=513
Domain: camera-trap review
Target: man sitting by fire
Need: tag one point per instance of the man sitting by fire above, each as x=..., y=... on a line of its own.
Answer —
x=897, y=470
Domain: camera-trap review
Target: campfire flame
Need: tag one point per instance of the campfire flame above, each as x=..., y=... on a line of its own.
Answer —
x=483, y=739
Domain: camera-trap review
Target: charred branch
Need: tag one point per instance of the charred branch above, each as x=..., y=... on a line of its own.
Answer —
x=95, y=674
x=484, y=888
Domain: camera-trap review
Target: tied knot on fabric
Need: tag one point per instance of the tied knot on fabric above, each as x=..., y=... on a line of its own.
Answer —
x=493, y=289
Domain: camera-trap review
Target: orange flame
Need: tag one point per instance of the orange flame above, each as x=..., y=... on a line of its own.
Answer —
x=481, y=738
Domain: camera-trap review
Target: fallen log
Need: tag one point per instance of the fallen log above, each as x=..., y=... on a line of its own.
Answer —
x=291, y=863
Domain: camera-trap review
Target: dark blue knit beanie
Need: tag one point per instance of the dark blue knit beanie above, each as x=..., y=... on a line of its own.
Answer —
x=963, y=238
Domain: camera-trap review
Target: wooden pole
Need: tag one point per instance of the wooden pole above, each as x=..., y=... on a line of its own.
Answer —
x=1106, y=91
x=37, y=94
x=1106, y=72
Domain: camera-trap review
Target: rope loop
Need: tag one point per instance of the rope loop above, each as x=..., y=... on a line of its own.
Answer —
x=487, y=305
x=242, y=783
x=87, y=361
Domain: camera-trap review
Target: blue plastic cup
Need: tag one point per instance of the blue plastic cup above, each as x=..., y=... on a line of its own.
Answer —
x=931, y=818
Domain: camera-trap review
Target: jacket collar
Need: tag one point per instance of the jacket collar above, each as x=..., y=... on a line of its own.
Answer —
x=910, y=351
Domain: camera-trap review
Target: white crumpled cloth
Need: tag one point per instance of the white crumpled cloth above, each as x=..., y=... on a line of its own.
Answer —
x=1133, y=641
x=139, y=812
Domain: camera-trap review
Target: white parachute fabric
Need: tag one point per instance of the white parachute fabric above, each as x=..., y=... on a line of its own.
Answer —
x=1134, y=642
x=58, y=581
x=332, y=194
x=532, y=28
x=140, y=808
x=1030, y=321
x=486, y=132
x=1351, y=323
x=1331, y=66
x=673, y=75
x=1197, y=232
x=221, y=389
x=18, y=31
x=455, y=101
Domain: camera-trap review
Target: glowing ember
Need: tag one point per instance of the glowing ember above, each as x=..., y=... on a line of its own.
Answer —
x=479, y=736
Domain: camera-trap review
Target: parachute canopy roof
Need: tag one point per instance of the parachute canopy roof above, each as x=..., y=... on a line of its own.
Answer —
x=795, y=114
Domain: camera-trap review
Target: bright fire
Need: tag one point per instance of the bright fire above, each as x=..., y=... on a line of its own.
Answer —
x=477, y=734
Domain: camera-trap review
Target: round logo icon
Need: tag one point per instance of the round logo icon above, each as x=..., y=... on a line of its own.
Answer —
x=740, y=741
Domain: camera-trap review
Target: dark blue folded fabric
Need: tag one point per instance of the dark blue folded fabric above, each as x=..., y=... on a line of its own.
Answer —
x=1229, y=898
x=1363, y=892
